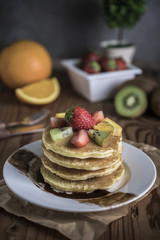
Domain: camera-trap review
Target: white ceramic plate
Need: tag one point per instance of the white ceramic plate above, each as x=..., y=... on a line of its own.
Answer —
x=139, y=177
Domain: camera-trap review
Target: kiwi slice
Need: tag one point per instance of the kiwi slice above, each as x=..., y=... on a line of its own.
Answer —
x=60, y=133
x=98, y=136
x=131, y=101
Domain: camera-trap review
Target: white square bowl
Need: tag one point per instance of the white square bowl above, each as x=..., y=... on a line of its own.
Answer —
x=99, y=86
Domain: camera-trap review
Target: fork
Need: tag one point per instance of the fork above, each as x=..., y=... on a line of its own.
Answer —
x=27, y=121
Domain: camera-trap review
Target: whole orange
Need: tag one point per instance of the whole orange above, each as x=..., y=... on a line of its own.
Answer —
x=24, y=62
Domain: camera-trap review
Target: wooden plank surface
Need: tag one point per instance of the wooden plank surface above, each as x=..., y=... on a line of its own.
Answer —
x=142, y=222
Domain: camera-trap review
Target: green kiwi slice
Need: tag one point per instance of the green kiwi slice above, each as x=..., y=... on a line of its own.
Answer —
x=60, y=133
x=131, y=101
x=98, y=136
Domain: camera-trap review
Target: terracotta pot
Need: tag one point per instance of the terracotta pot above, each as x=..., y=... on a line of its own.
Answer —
x=126, y=52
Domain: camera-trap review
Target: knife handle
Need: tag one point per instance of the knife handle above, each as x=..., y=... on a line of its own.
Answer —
x=4, y=133
x=2, y=126
x=11, y=124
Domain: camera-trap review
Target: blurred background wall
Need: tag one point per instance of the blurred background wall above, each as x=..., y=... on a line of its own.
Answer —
x=68, y=27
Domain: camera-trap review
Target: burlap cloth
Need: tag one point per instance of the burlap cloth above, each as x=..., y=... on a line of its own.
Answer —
x=77, y=226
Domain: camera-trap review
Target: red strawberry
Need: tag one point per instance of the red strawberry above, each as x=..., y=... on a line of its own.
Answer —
x=80, y=139
x=121, y=65
x=98, y=116
x=79, y=118
x=92, y=67
x=108, y=64
x=57, y=122
x=91, y=56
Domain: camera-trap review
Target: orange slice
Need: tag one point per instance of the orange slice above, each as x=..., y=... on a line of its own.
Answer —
x=39, y=93
x=109, y=125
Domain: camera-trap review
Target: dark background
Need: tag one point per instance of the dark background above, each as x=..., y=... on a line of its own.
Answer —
x=68, y=27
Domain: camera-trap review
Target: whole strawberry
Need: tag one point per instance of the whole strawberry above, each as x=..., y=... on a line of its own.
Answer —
x=108, y=64
x=91, y=56
x=92, y=67
x=79, y=118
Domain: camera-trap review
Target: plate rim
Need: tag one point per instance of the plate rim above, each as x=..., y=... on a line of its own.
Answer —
x=78, y=210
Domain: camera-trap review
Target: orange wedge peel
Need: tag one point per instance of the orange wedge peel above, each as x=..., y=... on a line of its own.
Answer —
x=39, y=93
x=109, y=125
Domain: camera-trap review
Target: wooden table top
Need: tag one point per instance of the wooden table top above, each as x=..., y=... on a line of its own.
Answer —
x=139, y=223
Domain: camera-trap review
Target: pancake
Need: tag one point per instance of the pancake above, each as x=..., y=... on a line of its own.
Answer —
x=72, y=169
x=91, y=184
x=76, y=174
x=111, y=145
x=86, y=164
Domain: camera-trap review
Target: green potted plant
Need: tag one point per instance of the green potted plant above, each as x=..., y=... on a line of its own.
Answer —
x=121, y=14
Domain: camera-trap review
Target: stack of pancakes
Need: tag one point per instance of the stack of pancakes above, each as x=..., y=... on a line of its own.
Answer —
x=71, y=169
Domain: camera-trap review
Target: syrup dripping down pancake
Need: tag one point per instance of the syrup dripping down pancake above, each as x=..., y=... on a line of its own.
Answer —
x=91, y=184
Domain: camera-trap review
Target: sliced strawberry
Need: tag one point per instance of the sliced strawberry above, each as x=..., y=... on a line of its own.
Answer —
x=98, y=116
x=108, y=65
x=92, y=67
x=79, y=118
x=80, y=139
x=57, y=122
